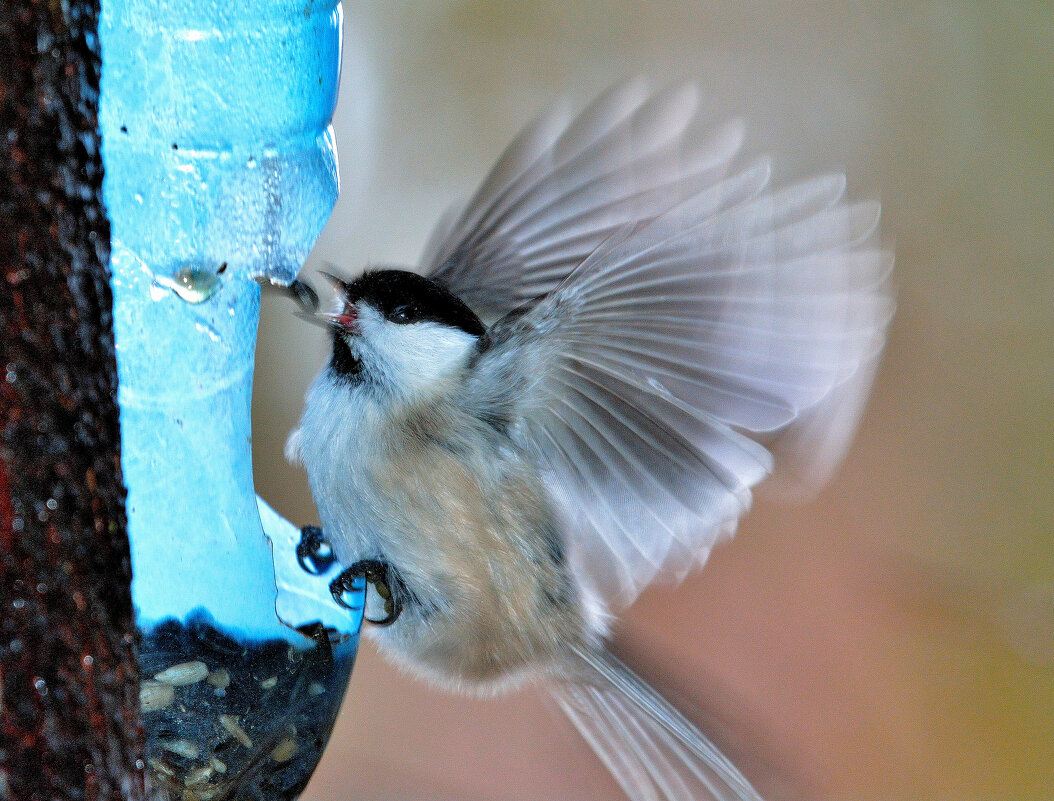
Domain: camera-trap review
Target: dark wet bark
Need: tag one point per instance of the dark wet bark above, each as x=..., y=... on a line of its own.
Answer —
x=69, y=710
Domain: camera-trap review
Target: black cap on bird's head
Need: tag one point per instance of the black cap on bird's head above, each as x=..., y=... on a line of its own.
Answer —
x=402, y=298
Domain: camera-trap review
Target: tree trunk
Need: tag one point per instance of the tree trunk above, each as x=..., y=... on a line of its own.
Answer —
x=69, y=704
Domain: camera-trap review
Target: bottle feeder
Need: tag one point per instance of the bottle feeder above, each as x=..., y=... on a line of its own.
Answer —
x=220, y=174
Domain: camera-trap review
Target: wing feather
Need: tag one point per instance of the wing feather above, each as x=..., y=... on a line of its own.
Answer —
x=652, y=750
x=563, y=187
x=670, y=323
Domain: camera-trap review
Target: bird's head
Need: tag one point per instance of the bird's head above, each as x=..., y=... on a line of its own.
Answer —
x=400, y=332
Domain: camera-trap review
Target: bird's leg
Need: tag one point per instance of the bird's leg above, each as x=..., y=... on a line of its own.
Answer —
x=384, y=581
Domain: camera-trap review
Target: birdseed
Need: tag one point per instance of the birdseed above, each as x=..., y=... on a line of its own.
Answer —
x=232, y=719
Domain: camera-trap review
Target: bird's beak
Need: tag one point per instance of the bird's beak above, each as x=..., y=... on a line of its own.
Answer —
x=346, y=320
x=338, y=284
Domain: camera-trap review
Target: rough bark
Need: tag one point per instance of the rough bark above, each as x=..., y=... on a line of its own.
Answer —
x=69, y=706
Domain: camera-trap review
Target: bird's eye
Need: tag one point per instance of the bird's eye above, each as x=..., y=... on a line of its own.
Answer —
x=402, y=314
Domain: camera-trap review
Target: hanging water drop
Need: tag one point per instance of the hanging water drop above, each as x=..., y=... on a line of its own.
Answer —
x=192, y=284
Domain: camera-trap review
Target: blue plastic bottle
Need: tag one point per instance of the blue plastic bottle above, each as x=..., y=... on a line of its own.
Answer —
x=220, y=172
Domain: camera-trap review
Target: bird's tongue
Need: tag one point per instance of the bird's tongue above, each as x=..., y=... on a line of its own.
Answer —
x=346, y=319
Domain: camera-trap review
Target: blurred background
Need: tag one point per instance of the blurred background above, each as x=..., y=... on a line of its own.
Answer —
x=894, y=637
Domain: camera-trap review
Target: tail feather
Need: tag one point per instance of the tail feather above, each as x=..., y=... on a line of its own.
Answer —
x=651, y=749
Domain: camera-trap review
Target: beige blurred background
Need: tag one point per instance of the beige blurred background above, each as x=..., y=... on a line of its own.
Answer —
x=892, y=639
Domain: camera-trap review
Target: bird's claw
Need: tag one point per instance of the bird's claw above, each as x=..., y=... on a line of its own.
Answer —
x=376, y=573
x=313, y=552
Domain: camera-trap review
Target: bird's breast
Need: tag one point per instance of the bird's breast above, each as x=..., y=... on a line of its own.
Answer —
x=465, y=520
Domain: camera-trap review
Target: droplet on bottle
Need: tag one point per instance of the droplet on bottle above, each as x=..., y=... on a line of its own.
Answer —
x=251, y=163
x=192, y=284
x=40, y=686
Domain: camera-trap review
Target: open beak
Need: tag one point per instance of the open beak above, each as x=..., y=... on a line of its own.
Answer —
x=346, y=320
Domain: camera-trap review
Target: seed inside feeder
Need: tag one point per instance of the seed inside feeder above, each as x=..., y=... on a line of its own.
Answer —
x=198, y=776
x=231, y=724
x=284, y=750
x=154, y=695
x=162, y=769
x=183, y=674
x=184, y=748
x=220, y=679
x=260, y=736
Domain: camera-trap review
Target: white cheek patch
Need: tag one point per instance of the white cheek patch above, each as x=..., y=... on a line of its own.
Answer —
x=412, y=358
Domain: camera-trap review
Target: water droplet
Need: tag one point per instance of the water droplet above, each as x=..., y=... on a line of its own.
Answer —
x=17, y=524
x=12, y=375
x=88, y=660
x=251, y=163
x=52, y=504
x=138, y=198
x=139, y=764
x=157, y=292
x=40, y=686
x=19, y=603
x=15, y=645
x=192, y=284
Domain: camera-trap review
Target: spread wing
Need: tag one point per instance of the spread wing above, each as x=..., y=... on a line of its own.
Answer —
x=646, y=380
x=564, y=185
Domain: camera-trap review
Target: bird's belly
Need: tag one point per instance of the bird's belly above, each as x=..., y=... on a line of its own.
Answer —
x=467, y=525
x=478, y=549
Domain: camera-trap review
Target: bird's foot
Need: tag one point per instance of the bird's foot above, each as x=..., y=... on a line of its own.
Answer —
x=384, y=581
x=314, y=553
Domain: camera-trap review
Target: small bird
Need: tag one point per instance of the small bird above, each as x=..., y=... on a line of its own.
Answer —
x=601, y=353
